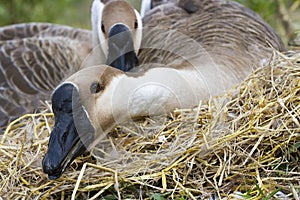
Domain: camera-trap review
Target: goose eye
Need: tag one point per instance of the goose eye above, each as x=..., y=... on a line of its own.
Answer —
x=95, y=87
x=136, y=24
x=102, y=28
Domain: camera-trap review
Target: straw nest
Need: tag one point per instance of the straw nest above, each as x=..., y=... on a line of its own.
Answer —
x=245, y=144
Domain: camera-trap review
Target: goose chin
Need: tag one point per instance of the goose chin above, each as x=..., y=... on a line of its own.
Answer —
x=125, y=62
x=57, y=171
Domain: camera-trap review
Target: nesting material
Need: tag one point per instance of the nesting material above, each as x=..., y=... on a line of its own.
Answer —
x=245, y=144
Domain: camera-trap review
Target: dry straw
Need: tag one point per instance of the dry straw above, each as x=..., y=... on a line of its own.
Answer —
x=245, y=144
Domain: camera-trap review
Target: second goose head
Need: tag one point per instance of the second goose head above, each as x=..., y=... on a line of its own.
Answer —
x=117, y=28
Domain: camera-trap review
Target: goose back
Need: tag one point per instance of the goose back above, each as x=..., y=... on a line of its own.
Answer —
x=35, y=29
x=231, y=34
x=34, y=59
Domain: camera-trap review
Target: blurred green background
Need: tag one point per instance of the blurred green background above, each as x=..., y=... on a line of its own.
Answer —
x=68, y=12
x=281, y=14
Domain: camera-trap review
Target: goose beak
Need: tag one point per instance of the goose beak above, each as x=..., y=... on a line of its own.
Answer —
x=121, y=53
x=62, y=151
x=65, y=142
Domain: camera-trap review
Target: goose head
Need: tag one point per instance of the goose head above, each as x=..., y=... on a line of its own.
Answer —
x=95, y=99
x=117, y=28
x=74, y=104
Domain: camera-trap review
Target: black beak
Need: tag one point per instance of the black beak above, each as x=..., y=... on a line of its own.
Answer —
x=121, y=54
x=65, y=142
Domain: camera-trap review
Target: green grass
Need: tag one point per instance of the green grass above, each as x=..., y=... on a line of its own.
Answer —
x=68, y=12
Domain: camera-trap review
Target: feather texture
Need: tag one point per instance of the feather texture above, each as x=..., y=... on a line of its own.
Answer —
x=34, y=59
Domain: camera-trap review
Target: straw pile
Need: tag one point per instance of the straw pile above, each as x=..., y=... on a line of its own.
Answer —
x=245, y=144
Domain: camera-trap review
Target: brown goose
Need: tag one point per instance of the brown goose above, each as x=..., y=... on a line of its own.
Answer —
x=227, y=30
x=36, y=57
x=117, y=33
x=190, y=51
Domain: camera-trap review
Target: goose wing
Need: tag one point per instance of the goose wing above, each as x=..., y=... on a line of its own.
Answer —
x=231, y=33
x=34, y=59
x=34, y=29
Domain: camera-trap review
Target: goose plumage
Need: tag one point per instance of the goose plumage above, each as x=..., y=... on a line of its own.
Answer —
x=36, y=57
x=191, y=50
x=228, y=31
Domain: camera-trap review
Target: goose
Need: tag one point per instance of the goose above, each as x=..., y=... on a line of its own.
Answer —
x=36, y=57
x=117, y=33
x=190, y=51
